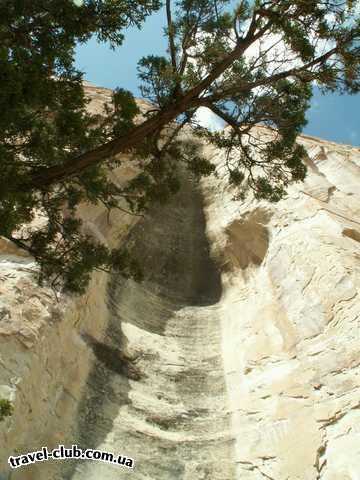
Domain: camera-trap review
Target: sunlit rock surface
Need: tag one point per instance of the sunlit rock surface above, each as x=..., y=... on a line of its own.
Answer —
x=236, y=359
x=290, y=316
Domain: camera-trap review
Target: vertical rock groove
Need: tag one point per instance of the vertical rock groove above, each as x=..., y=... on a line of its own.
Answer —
x=163, y=404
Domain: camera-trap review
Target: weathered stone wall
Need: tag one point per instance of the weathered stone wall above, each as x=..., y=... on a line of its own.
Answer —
x=44, y=359
x=237, y=358
x=290, y=316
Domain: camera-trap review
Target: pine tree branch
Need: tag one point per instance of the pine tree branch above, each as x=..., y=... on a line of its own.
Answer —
x=170, y=34
x=272, y=79
x=183, y=102
x=220, y=113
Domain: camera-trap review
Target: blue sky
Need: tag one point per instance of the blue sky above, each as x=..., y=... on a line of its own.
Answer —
x=332, y=116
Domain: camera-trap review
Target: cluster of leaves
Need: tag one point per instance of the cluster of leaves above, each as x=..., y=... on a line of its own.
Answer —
x=264, y=161
x=247, y=81
x=45, y=122
x=67, y=255
x=54, y=154
x=6, y=408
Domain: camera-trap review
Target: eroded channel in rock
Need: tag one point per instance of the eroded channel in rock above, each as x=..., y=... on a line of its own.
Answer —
x=157, y=392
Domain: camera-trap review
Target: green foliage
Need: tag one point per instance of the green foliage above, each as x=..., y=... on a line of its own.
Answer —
x=55, y=155
x=6, y=408
x=158, y=79
x=121, y=114
x=44, y=122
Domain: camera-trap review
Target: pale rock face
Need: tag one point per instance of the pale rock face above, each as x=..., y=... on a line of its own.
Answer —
x=290, y=321
x=236, y=359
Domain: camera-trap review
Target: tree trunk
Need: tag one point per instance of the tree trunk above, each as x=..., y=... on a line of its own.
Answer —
x=75, y=166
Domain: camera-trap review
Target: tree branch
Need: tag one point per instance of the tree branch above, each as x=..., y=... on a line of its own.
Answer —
x=172, y=47
x=272, y=79
x=183, y=102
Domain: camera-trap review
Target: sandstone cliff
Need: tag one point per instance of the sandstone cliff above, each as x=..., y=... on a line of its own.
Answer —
x=237, y=358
